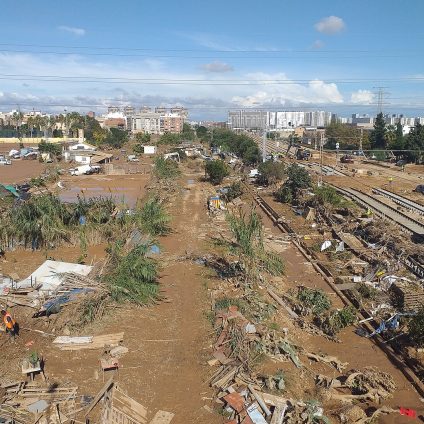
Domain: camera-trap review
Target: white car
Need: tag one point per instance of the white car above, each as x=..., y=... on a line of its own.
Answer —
x=4, y=161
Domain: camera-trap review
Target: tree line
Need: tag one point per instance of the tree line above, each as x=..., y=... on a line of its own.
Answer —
x=381, y=137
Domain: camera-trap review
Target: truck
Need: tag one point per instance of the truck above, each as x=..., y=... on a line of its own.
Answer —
x=303, y=154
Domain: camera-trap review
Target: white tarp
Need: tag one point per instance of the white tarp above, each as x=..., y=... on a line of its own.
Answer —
x=48, y=275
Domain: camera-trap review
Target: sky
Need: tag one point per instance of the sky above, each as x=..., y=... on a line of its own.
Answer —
x=211, y=56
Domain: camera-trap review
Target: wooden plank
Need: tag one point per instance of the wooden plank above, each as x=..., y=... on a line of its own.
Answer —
x=73, y=340
x=98, y=342
x=278, y=415
x=129, y=406
x=99, y=395
x=162, y=417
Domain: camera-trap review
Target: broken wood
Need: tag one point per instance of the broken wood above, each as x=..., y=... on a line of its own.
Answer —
x=330, y=360
x=283, y=304
x=99, y=395
x=259, y=400
x=162, y=417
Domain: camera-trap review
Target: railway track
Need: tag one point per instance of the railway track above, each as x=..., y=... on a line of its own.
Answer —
x=385, y=211
x=400, y=200
x=401, y=362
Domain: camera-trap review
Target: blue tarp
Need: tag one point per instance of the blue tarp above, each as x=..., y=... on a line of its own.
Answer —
x=53, y=305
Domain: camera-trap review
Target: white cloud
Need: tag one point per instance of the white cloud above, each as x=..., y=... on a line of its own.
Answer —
x=110, y=81
x=217, y=67
x=330, y=25
x=73, y=30
x=318, y=44
x=287, y=92
x=362, y=97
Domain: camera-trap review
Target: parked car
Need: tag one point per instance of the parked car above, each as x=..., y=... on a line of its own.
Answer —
x=419, y=188
x=346, y=159
x=133, y=158
x=4, y=161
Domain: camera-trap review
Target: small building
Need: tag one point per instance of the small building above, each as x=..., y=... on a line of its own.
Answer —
x=87, y=157
x=149, y=150
x=82, y=146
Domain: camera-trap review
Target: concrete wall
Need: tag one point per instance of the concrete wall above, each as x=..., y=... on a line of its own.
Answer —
x=35, y=140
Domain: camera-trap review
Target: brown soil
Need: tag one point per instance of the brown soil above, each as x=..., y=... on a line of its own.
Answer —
x=169, y=343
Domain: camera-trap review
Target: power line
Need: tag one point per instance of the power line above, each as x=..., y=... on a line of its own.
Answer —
x=120, y=48
x=69, y=78
x=317, y=55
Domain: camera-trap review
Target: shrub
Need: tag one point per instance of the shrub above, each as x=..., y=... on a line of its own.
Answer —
x=315, y=301
x=134, y=277
x=270, y=172
x=165, y=169
x=234, y=190
x=416, y=328
x=217, y=170
x=284, y=194
x=335, y=321
x=328, y=195
x=153, y=218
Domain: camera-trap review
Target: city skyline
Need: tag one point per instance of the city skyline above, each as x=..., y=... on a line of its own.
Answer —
x=212, y=57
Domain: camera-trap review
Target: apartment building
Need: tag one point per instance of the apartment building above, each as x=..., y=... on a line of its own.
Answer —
x=278, y=120
x=148, y=122
x=171, y=123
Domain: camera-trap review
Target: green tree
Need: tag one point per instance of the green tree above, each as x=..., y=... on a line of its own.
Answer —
x=298, y=179
x=270, y=172
x=142, y=138
x=397, y=140
x=346, y=135
x=116, y=138
x=240, y=144
x=53, y=148
x=415, y=143
x=217, y=170
x=170, y=139
x=378, y=136
x=188, y=132
x=201, y=132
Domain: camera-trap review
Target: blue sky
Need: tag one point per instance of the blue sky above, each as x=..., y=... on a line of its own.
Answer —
x=212, y=55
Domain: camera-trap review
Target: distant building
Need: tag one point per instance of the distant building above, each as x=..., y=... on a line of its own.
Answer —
x=129, y=111
x=364, y=121
x=148, y=122
x=113, y=109
x=278, y=120
x=91, y=114
x=247, y=119
x=181, y=111
x=120, y=123
x=171, y=123
x=161, y=110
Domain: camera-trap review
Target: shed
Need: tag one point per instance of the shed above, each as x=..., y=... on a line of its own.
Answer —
x=149, y=150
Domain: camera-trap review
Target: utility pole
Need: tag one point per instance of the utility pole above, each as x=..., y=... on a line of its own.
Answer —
x=264, y=146
x=360, y=140
x=321, y=143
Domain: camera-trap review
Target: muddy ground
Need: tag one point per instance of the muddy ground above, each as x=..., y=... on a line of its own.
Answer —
x=170, y=342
